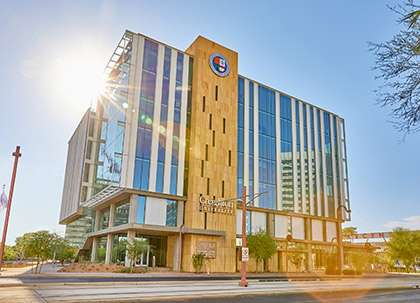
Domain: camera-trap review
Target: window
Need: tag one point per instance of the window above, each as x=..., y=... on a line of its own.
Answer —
x=171, y=211
x=86, y=173
x=205, y=220
x=217, y=92
x=208, y=186
x=204, y=104
x=207, y=152
x=122, y=210
x=202, y=168
x=224, y=125
x=210, y=122
x=104, y=218
x=223, y=189
x=214, y=138
x=141, y=206
x=230, y=158
x=89, y=150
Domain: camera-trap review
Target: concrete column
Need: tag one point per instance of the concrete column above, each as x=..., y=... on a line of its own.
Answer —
x=180, y=213
x=309, y=262
x=176, y=249
x=108, y=254
x=111, y=215
x=131, y=234
x=94, y=245
x=96, y=220
x=132, y=214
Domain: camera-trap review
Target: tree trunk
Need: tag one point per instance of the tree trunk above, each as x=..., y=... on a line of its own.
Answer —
x=256, y=269
x=42, y=262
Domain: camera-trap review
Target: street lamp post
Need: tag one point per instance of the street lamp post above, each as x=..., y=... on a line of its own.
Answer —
x=340, y=255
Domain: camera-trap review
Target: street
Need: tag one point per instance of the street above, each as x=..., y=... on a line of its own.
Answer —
x=346, y=290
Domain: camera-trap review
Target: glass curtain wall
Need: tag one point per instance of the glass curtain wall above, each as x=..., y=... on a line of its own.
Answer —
x=240, y=167
x=320, y=164
x=312, y=151
x=328, y=160
x=305, y=158
x=286, y=155
x=177, y=120
x=298, y=165
x=145, y=121
x=112, y=109
x=163, y=121
x=267, y=147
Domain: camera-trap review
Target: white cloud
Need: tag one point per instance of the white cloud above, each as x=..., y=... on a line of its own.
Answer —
x=412, y=222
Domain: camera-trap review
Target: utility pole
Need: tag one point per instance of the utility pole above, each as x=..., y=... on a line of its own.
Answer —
x=17, y=155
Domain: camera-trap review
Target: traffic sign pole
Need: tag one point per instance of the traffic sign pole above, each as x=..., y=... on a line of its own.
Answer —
x=243, y=281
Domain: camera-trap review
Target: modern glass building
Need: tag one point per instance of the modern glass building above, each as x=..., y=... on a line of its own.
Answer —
x=177, y=132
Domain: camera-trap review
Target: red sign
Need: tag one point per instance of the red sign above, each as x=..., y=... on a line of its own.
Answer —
x=378, y=235
x=245, y=254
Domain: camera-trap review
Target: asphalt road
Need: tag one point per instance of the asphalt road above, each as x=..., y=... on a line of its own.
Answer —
x=394, y=296
x=63, y=279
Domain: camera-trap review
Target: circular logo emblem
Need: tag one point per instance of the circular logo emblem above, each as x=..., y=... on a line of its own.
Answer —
x=219, y=65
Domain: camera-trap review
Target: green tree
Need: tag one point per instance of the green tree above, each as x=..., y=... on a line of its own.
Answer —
x=404, y=245
x=261, y=246
x=22, y=244
x=397, y=63
x=62, y=250
x=10, y=252
x=38, y=245
x=349, y=232
x=135, y=248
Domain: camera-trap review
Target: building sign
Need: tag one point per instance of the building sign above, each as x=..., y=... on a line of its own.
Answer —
x=245, y=254
x=219, y=65
x=207, y=248
x=215, y=206
x=380, y=235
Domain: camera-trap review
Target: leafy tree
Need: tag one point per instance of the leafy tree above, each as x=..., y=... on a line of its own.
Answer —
x=398, y=65
x=404, y=245
x=349, y=232
x=37, y=245
x=296, y=258
x=10, y=252
x=135, y=248
x=261, y=246
x=62, y=250
x=22, y=245
x=198, y=261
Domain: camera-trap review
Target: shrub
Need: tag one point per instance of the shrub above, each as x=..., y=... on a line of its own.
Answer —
x=331, y=266
x=198, y=261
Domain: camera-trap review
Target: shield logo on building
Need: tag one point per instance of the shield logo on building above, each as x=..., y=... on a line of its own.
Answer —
x=219, y=65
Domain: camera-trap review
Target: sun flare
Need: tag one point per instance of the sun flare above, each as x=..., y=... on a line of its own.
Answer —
x=79, y=79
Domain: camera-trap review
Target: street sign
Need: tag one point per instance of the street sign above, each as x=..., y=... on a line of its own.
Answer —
x=245, y=254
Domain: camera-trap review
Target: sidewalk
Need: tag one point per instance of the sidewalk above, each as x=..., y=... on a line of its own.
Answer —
x=50, y=271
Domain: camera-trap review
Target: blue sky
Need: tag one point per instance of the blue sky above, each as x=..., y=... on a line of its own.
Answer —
x=313, y=50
